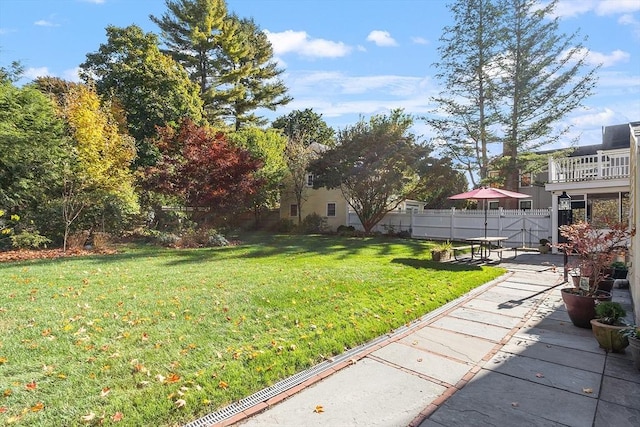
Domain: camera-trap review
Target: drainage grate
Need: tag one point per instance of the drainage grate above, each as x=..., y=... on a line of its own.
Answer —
x=288, y=383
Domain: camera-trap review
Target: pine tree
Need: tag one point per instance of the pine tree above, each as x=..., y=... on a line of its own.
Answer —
x=467, y=55
x=542, y=78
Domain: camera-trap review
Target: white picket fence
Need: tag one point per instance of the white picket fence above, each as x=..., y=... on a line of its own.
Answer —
x=523, y=228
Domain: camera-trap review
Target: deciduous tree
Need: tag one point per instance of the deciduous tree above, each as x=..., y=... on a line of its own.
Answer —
x=32, y=147
x=375, y=164
x=98, y=172
x=151, y=88
x=204, y=170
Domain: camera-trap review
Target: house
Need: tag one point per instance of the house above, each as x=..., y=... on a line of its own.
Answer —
x=596, y=178
x=634, y=217
x=330, y=204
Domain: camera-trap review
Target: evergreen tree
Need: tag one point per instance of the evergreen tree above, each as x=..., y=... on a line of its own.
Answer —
x=229, y=58
x=542, y=78
x=467, y=55
x=511, y=78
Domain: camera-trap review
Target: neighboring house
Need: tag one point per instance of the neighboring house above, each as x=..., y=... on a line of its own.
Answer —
x=596, y=177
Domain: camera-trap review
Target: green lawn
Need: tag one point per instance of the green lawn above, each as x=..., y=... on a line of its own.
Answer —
x=153, y=336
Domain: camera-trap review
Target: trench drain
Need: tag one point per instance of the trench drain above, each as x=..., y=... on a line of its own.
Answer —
x=280, y=387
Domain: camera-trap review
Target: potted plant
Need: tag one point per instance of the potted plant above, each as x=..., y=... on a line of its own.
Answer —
x=607, y=326
x=632, y=333
x=619, y=269
x=442, y=251
x=545, y=246
x=593, y=250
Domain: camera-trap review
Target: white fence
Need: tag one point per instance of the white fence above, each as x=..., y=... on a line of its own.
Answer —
x=523, y=228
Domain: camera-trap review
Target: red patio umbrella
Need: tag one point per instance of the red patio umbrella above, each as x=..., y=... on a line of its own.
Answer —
x=488, y=193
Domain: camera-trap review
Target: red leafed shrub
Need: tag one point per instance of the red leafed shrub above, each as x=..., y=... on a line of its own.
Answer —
x=204, y=170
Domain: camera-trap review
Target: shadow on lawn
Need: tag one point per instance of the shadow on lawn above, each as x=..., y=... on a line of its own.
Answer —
x=433, y=265
x=262, y=245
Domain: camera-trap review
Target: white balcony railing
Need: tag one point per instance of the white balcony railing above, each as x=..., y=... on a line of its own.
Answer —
x=610, y=164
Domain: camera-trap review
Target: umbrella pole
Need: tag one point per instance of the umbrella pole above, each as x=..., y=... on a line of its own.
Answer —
x=484, y=202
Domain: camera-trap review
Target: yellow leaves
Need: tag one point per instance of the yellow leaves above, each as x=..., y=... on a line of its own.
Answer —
x=318, y=409
x=37, y=407
x=3, y=360
x=223, y=385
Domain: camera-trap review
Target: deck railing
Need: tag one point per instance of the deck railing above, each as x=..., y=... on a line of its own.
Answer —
x=610, y=164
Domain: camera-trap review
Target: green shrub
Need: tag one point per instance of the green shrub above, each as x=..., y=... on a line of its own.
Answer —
x=313, y=223
x=29, y=240
x=285, y=225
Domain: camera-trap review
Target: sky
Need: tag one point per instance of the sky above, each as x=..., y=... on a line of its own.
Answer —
x=345, y=59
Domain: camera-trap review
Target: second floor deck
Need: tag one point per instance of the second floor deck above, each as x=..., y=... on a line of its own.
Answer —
x=607, y=164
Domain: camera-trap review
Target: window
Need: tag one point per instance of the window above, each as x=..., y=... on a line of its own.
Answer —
x=526, y=179
x=331, y=209
x=310, y=180
x=494, y=204
x=293, y=210
x=525, y=205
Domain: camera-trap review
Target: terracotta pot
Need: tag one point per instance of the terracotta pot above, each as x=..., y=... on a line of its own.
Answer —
x=634, y=347
x=581, y=309
x=609, y=337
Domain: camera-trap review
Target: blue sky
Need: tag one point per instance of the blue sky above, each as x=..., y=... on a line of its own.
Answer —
x=342, y=58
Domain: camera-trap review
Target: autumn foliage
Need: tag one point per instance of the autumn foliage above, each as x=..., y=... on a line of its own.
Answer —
x=203, y=169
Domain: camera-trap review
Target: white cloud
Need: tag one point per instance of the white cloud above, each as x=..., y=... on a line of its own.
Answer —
x=45, y=23
x=71, y=75
x=300, y=43
x=33, y=73
x=419, y=40
x=630, y=20
x=381, y=38
x=607, y=60
x=572, y=8
x=614, y=7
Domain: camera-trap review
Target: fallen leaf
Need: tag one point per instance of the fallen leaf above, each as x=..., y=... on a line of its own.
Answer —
x=37, y=407
x=223, y=385
x=319, y=409
x=180, y=403
x=172, y=378
x=3, y=360
x=539, y=375
x=89, y=417
x=3, y=409
x=587, y=390
x=117, y=417
x=31, y=386
x=105, y=391
x=515, y=404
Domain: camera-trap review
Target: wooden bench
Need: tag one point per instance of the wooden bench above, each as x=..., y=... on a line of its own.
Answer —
x=523, y=249
x=457, y=249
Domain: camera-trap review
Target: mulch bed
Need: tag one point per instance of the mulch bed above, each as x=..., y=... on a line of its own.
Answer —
x=25, y=254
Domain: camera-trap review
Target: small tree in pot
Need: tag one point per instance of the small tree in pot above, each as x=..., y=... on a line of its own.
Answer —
x=593, y=250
